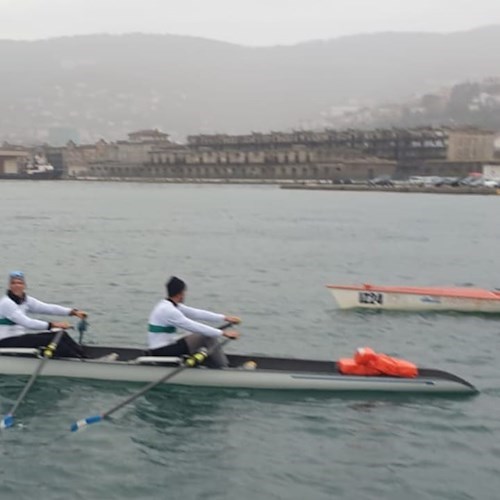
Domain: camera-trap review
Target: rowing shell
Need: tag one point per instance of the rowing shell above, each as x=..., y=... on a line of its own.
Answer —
x=132, y=365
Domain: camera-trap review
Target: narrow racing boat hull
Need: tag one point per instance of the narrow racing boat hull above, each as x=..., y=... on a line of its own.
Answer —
x=473, y=300
x=270, y=373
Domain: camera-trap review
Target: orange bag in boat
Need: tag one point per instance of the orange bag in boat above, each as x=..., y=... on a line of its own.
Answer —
x=348, y=366
x=364, y=355
x=368, y=362
x=393, y=366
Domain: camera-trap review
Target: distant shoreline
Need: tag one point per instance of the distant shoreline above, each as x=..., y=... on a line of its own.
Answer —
x=301, y=185
x=395, y=189
x=161, y=180
x=291, y=185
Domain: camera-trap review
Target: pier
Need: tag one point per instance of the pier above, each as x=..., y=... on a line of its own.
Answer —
x=393, y=189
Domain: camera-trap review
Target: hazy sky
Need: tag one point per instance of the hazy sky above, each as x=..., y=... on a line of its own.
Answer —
x=249, y=22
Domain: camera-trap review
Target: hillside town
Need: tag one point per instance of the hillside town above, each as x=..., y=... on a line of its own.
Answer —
x=474, y=103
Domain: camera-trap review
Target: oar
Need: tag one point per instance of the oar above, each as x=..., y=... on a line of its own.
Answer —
x=48, y=352
x=193, y=360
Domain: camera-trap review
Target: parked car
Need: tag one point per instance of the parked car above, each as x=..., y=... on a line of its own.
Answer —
x=468, y=181
x=447, y=181
x=492, y=183
x=381, y=180
x=434, y=181
x=416, y=180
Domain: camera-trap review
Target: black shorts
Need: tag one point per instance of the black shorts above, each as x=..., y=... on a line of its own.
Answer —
x=180, y=348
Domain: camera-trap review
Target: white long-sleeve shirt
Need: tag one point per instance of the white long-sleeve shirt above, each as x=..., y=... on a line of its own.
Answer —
x=14, y=319
x=166, y=318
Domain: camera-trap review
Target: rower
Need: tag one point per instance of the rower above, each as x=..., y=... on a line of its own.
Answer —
x=171, y=314
x=15, y=323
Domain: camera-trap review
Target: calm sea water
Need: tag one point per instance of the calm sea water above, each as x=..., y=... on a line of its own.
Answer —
x=264, y=254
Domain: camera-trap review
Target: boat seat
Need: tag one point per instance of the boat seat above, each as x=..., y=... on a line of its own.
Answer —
x=152, y=360
x=20, y=351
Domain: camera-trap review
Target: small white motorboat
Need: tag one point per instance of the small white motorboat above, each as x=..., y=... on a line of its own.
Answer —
x=407, y=298
x=252, y=372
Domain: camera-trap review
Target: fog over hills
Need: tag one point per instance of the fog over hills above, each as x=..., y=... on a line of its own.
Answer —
x=108, y=85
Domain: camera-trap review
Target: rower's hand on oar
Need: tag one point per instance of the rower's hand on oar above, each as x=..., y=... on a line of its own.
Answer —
x=231, y=334
x=232, y=319
x=64, y=325
x=78, y=313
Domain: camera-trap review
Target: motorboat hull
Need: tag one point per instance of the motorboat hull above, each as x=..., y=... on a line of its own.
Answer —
x=471, y=300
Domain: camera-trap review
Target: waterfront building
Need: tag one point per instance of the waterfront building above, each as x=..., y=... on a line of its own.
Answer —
x=328, y=155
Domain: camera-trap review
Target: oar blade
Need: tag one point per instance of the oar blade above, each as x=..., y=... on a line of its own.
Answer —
x=80, y=424
x=7, y=421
